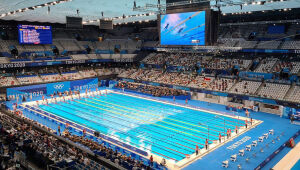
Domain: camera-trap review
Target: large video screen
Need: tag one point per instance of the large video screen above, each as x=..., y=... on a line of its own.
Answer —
x=33, y=34
x=183, y=28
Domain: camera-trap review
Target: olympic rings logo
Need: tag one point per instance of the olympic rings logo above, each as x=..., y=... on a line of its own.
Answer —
x=58, y=86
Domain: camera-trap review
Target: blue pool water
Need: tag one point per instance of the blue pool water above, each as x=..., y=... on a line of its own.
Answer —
x=162, y=129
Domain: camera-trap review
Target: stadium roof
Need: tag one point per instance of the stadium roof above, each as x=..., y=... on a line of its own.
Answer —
x=91, y=9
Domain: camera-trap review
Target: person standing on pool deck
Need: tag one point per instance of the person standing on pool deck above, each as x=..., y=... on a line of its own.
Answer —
x=292, y=118
x=206, y=144
x=151, y=160
x=58, y=129
x=197, y=149
x=247, y=113
x=220, y=137
x=83, y=132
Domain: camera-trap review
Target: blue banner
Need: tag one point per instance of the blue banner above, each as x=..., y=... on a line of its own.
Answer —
x=58, y=87
x=50, y=88
x=26, y=91
x=256, y=75
x=84, y=84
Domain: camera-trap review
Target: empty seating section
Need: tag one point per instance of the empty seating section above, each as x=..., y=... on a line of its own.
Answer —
x=8, y=44
x=268, y=44
x=51, y=77
x=150, y=44
x=83, y=44
x=227, y=42
x=69, y=45
x=294, y=94
x=80, y=57
x=221, y=63
x=29, y=79
x=246, y=44
x=104, y=45
x=4, y=60
x=266, y=65
x=272, y=90
x=8, y=81
x=291, y=45
x=32, y=48
x=58, y=45
x=245, y=87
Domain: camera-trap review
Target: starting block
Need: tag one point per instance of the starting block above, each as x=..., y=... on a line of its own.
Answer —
x=233, y=158
x=271, y=132
x=225, y=164
x=248, y=148
x=266, y=135
x=241, y=152
x=254, y=143
x=261, y=139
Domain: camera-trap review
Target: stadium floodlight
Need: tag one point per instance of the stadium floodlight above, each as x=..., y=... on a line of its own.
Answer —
x=33, y=7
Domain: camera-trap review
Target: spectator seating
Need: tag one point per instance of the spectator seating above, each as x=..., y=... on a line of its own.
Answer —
x=246, y=44
x=4, y=60
x=294, y=94
x=246, y=87
x=29, y=79
x=72, y=75
x=268, y=44
x=293, y=67
x=275, y=91
x=180, y=79
x=70, y=45
x=266, y=65
x=291, y=45
x=94, y=56
x=79, y=57
x=105, y=71
x=227, y=42
x=50, y=77
x=218, y=84
x=88, y=73
x=8, y=81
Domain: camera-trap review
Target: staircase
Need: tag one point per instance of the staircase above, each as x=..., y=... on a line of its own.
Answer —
x=78, y=45
x=16, y=80
x=259, y=88
x=233, y=86
x=255, y=46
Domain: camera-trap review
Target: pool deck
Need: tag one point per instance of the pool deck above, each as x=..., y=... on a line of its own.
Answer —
x=212, y=160
x=289, y=160
x=191, y=158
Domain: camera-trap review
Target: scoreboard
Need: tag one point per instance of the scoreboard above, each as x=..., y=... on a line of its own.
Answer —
x=33, y=34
